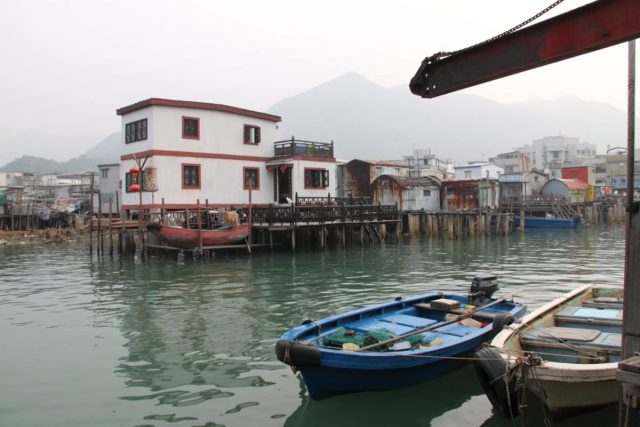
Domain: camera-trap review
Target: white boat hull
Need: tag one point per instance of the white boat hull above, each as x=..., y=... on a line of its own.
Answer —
x=564, y=388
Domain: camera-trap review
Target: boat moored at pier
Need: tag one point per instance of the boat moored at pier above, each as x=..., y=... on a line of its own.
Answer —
x=397, y=343
x=566, y=353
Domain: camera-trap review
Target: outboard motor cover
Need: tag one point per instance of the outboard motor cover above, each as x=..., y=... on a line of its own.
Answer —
x=482, y=288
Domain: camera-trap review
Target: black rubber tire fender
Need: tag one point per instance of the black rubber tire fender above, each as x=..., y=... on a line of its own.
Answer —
x=299, y=354
x=490, y=368
x=500, y=321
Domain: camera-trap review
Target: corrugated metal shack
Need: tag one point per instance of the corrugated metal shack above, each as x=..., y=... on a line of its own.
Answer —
x=359, y=174
x=572, y=190
x=470, y=194
x=410, y=193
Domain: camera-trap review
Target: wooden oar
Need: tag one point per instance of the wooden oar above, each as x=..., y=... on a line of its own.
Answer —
x=437, y=325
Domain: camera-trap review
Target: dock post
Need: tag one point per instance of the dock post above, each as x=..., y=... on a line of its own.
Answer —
x=90, y=216
x=628, y=369
x=522, y=220
x=293, y=239
x=162, y=212
x=100, y=241
x=110, y=226
x=199, y=222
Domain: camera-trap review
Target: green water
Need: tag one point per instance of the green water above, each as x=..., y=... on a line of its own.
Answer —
x=119, y=342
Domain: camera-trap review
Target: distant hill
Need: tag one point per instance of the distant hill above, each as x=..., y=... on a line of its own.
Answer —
x=106, y=151
x=368, y=121
x=39, y=165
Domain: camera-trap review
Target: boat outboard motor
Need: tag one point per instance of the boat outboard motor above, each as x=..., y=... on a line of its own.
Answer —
x=482, y=288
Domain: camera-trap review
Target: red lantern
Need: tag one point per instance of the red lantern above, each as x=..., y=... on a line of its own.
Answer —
x=134, y=188
x=134, y=170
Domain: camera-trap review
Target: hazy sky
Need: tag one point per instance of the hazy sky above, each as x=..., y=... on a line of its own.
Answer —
x=65, y=66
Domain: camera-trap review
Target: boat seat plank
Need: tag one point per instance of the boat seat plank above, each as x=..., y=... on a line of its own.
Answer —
x=377, y=323
x=456, y=329
x=569, y=334
x=407, y=320
x=552, y=337
x=457, y=311
x=604, y=319
x=604, y=302
x=591, y=313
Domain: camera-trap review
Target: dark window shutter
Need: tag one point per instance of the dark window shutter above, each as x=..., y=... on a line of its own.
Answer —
x=247, y=132
x=257, y=135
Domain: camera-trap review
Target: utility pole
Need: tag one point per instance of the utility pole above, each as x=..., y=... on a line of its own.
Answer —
x=629, y=367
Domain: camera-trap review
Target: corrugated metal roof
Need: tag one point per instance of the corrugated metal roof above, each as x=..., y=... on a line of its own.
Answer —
x=574, y=184
x=513, y=177
x=381, y=163
x=407, y=182
x=476, y=165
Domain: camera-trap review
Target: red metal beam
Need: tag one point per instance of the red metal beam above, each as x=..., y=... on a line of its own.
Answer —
x=588, y=28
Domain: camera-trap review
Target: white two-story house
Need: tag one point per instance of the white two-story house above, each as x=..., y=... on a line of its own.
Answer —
x=216, y=153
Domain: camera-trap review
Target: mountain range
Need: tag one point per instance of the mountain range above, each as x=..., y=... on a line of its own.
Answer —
x=368, y=121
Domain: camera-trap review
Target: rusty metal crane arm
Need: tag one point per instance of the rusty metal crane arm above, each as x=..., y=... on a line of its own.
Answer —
x=594, y=26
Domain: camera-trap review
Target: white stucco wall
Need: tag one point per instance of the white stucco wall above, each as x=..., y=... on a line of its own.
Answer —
x=221, y=182
x=220, y=134
x=298, y=178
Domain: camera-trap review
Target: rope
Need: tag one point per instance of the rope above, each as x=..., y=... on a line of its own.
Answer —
x=563, y=342
x=544, y=353
x=528, y=378
x=523, y=352
x=286, y=358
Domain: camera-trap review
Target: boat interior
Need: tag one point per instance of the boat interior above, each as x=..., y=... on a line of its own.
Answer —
x=403, y=317
x=586, y=330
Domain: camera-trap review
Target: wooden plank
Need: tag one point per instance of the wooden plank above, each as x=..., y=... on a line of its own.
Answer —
x=456, y=311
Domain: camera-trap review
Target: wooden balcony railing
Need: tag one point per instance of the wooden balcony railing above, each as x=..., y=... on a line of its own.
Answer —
x=320, y=214
x=297, y=147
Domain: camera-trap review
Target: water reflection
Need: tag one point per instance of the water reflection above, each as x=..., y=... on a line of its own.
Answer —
x=191, y=343
x=413, y=406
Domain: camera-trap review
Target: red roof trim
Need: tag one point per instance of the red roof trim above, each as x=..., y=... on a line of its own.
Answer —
x=195, y=154
x=197, y=105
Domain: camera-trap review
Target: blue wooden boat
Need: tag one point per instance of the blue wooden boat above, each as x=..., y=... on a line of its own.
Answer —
x=541, y=222
x=397, y=343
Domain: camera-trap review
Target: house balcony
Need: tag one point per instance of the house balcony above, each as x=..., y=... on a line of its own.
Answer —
x=296, y=147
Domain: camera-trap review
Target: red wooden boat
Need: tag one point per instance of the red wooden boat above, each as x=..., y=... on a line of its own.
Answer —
x=187, y=238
